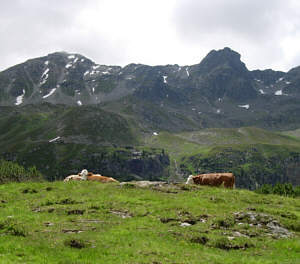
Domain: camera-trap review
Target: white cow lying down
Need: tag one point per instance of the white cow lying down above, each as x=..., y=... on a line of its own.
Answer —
x=74, y=178
x=84, y=175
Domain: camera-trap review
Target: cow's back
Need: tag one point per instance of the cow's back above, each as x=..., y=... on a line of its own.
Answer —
x=215, y=179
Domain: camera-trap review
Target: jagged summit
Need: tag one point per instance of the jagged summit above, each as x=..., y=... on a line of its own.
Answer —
x=225, y=57
x=219, y=85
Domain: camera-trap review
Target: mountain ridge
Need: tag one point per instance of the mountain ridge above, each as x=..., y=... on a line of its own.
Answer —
x=73, y=76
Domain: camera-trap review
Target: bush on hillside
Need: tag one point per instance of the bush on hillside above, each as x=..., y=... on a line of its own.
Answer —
x=284, y=189
x=13, y=172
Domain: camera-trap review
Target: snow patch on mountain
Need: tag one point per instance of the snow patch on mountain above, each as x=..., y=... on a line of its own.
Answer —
x=69, y=65
x=280, y=79
x=95, y=67
x=246, y=106
x=19, y=99
x=261, y=91
x=54, y=139
x=50, y=93
x=187, y=71
x=44, y=77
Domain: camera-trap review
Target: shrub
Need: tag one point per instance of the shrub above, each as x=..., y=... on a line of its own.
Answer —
x=222, y=243
x=265, y=189
x=225, y=222
x=284, y=189
x=13, y=172
x=12, y=228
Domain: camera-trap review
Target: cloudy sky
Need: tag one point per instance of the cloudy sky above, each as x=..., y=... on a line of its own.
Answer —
x=156, y=32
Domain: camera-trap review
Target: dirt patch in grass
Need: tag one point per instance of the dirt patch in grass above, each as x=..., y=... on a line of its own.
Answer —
x=76, y=212
x=185, y=219
x=76, y=243
x=165, y=220
x=29, y=190
x=72, y=231
x=200, y=240
x=68, y=201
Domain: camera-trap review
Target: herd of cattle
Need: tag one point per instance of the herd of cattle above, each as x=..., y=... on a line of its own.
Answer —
x=211, y=179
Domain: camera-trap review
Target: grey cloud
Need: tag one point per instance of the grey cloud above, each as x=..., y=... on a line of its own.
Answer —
x=34, y=28
x=254, y=20
x=31, y=28
x=255, y=28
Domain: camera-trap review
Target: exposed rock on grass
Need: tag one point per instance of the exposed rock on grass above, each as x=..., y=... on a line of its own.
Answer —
x=123, y=214
x=263, y=221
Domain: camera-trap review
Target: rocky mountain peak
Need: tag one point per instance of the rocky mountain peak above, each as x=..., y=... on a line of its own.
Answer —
x=222, y=58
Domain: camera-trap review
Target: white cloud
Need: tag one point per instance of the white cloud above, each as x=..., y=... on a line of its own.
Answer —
x=266, y=33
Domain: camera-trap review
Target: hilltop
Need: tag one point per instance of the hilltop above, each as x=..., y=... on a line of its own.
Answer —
x=88, y=222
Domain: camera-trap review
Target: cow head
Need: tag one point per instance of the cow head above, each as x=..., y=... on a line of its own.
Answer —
x=84, y=173
x=190, y=180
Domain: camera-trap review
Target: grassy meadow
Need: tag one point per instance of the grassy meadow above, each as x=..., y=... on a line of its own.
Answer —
x=88, y=222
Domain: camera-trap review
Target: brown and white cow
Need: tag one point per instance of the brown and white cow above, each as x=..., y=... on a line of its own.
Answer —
x=213, y=179
x=77, y=177
x=96, y=177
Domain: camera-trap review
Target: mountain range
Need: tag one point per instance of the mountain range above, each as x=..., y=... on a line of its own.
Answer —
x=84, y=107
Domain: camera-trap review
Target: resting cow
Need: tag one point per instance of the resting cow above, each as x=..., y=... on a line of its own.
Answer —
x=74, y=178
x=213, y=179
x=96, y=177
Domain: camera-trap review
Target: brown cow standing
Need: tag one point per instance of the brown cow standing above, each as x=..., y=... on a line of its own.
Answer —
x=213, y=179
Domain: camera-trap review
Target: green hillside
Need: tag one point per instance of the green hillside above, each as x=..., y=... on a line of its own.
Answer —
x=88, y=222
x=293, y=133
x=256, y=156
x=60, y=140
